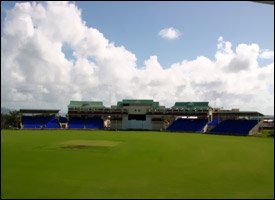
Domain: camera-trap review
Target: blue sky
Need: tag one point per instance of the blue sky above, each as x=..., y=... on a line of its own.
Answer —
x=228, y=49
x=135, y=25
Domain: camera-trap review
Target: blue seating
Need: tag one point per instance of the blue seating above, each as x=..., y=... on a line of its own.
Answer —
x=38, y=122
x=63, y=120
x=81, y=123
x=214, y=122
x=194, y=125
x=234, y=127
x=30, y=122
x=52, y=123
x=94, y=123
x=76, y=122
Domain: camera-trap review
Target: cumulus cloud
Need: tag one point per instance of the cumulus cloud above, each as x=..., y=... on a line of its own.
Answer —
x=170, y=33
x=35, y=73
x=266, y=54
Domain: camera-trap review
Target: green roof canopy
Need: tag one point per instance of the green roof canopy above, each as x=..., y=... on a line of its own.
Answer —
x=191, y=105
x=86, y=104
x=137, y=102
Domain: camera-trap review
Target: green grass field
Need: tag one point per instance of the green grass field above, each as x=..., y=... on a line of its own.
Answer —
x=120, y=164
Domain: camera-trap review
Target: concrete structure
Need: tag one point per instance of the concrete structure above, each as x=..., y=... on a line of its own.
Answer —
x=147, y=114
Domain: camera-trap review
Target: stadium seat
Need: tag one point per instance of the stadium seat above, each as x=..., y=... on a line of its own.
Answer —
x=194, y=125
x=81, y=123
x=234, y=127
x=38, y=122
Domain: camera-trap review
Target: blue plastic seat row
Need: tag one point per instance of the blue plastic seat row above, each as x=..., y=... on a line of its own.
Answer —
x=37, y=122
x=81, y=123
x=234, y=127
x=194, y=125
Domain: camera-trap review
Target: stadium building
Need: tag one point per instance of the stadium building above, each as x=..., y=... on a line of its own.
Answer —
x=39, y=119
x=146, y=114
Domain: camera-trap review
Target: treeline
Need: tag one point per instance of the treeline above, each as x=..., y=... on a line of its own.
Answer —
x=10, y=120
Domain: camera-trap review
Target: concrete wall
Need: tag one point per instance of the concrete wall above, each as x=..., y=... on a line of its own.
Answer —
x=157, y=125
x=136, y=124
x=142, y=110
x=116, y=124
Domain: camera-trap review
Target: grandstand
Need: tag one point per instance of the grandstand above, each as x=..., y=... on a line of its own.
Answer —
x=39, y=119
x=235, y=127
x=235, y=122
x=189, y=116
x=146, y=114
x=194, y=125
x=86, y=114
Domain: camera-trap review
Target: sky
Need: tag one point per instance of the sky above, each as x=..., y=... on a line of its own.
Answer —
x=220, y=52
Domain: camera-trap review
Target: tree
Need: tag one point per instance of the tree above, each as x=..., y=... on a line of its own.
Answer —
x=11, y=120
x=3, y=121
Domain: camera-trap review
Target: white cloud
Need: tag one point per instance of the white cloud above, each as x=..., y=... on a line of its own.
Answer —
x=170, y=33
x=266, y=54
x=36, y=74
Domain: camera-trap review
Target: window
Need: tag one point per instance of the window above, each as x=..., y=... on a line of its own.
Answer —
x=137, y=117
